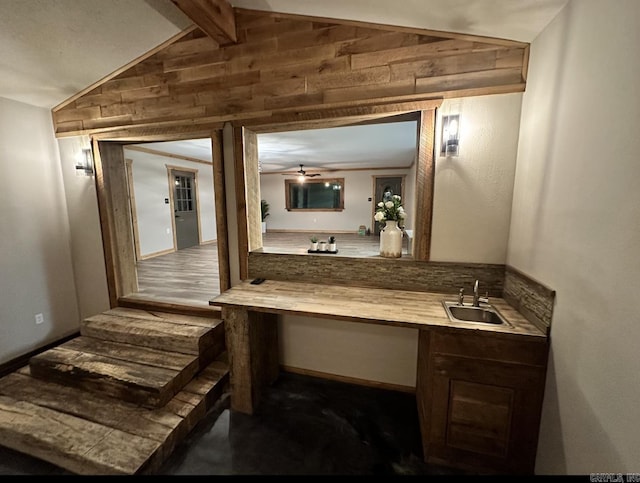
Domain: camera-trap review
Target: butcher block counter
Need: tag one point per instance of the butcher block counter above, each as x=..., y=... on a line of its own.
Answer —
x=479, y=386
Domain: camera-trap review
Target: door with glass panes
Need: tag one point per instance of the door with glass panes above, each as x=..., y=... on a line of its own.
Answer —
x=185, y=209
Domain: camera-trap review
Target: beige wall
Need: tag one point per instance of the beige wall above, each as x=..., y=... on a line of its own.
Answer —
x=151, y=188
x=358, y=210
x=473, y=191
x=84, y=222
x=36, y=273
x=576, y=227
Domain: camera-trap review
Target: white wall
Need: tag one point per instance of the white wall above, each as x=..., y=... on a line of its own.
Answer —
x=576, y=227
x=36, y=273
x=473, y=191
x=151, y=187
x=358, y=210
x=84, y=222
x=362, y=351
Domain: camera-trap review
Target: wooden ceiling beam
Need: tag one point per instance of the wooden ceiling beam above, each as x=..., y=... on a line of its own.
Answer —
x=216, y=18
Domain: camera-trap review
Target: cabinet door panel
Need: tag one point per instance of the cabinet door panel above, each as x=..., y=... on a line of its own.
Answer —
x=479, y=417
x=482, y=413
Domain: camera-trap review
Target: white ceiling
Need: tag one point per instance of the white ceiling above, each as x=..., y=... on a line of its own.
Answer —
x=52, y=49
x=372, y=146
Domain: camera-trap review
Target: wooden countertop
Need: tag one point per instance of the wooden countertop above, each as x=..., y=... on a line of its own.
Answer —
x=418, y=310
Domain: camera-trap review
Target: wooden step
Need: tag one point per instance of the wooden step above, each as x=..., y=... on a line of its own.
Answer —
x=199, y=336
x=149, y=377
x=135, y=355
x=90, y=433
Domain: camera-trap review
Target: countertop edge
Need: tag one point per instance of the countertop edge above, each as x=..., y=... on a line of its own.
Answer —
x=522, y=327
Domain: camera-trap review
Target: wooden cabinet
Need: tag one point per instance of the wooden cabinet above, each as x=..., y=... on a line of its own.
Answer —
x=479, y=399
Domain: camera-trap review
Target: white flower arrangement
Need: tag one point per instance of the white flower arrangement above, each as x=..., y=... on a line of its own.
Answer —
x=390, y=208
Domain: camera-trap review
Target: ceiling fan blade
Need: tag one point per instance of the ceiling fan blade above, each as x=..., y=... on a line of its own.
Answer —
x=312, y=175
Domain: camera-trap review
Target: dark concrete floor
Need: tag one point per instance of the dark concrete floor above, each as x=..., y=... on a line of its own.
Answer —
x=303, y=426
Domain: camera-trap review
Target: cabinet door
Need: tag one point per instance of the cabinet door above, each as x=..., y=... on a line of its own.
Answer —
x=479, y=413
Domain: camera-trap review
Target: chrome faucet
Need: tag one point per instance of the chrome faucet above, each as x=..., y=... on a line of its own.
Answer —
x=461, y=296
x=476, y=296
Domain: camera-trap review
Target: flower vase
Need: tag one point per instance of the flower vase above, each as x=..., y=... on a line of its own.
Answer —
x=391, y=240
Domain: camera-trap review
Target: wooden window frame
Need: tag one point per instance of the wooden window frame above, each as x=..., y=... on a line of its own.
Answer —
x=247, y=177
x=115, y=217
x=287, y=193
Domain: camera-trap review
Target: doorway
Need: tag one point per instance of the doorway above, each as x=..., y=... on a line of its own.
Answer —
x=185, y=208
x=382, y=185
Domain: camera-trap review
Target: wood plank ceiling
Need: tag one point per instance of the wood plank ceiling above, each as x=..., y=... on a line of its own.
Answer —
x=284, y=63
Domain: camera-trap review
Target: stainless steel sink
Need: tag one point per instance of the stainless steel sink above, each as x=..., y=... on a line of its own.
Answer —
x=484, y=314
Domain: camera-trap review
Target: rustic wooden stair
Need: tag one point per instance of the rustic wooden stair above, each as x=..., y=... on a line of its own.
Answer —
x=85, y=405
x=133, y=355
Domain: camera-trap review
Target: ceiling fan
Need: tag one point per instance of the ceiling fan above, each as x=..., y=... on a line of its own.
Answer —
x=302, y=172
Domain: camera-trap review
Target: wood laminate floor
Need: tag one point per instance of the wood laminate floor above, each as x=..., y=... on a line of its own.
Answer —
x=190, y=276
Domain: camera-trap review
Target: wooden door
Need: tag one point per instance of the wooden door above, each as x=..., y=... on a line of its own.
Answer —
x=185, y=209
x=480, y=400
x=386, y=184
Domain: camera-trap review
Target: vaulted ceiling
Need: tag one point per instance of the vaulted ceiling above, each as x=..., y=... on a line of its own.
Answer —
x=53, y=49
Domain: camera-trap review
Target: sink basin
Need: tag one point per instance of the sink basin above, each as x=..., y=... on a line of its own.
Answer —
x=484, y=314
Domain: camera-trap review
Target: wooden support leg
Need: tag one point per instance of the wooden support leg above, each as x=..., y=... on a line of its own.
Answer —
x=252, y=345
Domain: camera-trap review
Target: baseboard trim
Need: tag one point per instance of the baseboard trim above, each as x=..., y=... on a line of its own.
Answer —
x=280, y=230
x=349, y=380
x=157, y=254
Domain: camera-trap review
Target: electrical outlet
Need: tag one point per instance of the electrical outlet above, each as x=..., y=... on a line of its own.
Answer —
x=39, y=319
x=168, y=231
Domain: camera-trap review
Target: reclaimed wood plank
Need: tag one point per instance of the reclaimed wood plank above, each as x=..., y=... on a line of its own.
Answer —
x=132, y=353
x=73, y=443
x=190, y=46
x=420, y=310
x=385, y=40
x=122, y=120
x=263, y=32
x=138, y=383
x=363, y=77
x=319, y=36
x=452, y=64
x=157, y=424
x=203, y=72
x=389, y=89
x=469, y=80
x=186, y=339
x=276, y=59
x=442, y=47
x=180, y=319
x=305, y=68
x=240, y=369
x=274, y=47
x=99, y=99
x=77, y=114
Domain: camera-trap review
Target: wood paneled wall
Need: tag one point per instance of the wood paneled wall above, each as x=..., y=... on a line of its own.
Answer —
x=291, y=64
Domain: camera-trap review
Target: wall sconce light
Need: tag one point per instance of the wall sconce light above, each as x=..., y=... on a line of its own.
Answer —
x=449, y=142
x=84, y=163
